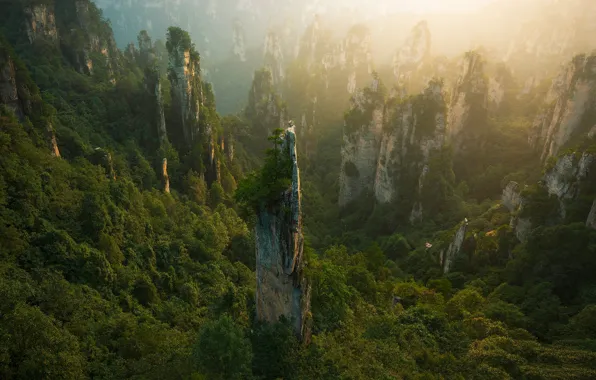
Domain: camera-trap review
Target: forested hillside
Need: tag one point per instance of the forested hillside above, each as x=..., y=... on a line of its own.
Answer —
x=431, y=217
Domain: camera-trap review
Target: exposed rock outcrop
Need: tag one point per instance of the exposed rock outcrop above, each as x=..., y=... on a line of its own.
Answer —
x=449, y=256
x=281, y=287
x=413, y=53
x=239, y=47
x=187, y=91
x=104, y=159
x=153, y=87
x=98, y=40
x=415, y=129
x=9, y=95
x=274, y=57
x=591, y=222
x=40, y=22
x=511, y=197
x=264, y=105
x=361, y=142
x=570, y=107
x=164, y=175
x=569, y=179
x=52, y=142
x=565, y=178
x=469, y=104
x=514, y=202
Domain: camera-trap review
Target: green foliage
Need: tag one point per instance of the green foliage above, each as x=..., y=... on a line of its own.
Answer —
x=222, y=350
x=264, y=188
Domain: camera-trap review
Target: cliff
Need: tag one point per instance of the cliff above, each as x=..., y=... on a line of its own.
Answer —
x=565, y=193
x=455, y=247
x=40, y=22
x=264, y=107
x=414, y=131
x=570, y=107
x=414, y=53
x=185, y=76
x=361, y=142
x=469, y=104
x=281, y=287
x=274, y=57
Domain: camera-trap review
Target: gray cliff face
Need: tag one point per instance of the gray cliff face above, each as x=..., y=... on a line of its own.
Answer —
x=558, y=31
x=187, y=93
x=591, y=222
x=570, y=178
x=9, y=94
x=412, y=54
x=360, y=148
x=387, y=148
x=511, y=197
x=153, y=87
x=514, y=202
x=415, y=130
x=569, y=107
x=239, y=44
x=469, y=103
x=274, y=57
x=281, y=287
x=40, y=22
x=565, y=178
x=447, y=257
x=98, y=46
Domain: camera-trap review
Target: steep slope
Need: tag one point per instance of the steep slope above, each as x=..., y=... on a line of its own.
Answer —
x=569, y=108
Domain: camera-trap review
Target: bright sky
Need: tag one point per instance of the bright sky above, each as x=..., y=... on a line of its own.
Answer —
x=417, y=6
x=436, y=5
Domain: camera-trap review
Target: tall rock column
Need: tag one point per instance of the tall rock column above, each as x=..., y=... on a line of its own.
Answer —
x=569, y=109
x=414, y=131
x=361, y=143
x=469, y=104
x=185, y=76
x=281, y=287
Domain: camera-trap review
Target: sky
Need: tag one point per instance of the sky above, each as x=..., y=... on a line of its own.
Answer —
x=414, y=6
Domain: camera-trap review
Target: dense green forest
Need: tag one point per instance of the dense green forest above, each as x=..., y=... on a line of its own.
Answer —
x=130, y=213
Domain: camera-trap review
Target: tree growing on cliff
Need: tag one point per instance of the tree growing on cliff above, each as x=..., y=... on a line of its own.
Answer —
x=264, y=187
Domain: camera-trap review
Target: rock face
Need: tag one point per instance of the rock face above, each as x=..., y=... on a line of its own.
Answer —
x=415, y=130
x=591, y=222
x=564, y=180
x=97, y=45
x=239, y=46
x=51, y=138
x=512, y=196
x=569, y=109
x=361, y=142
x=281, y=287
x=455, y=247
x=413, y=53
x=153, y=88
x=164, y=175
x=40, y=22
x=274, y=57
x=469, y=104
x=514, y=202
x=558, y=30
x=388, y=147
x=187, y=92
x=264, y=106
x=9, y=92
x=570, y=178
